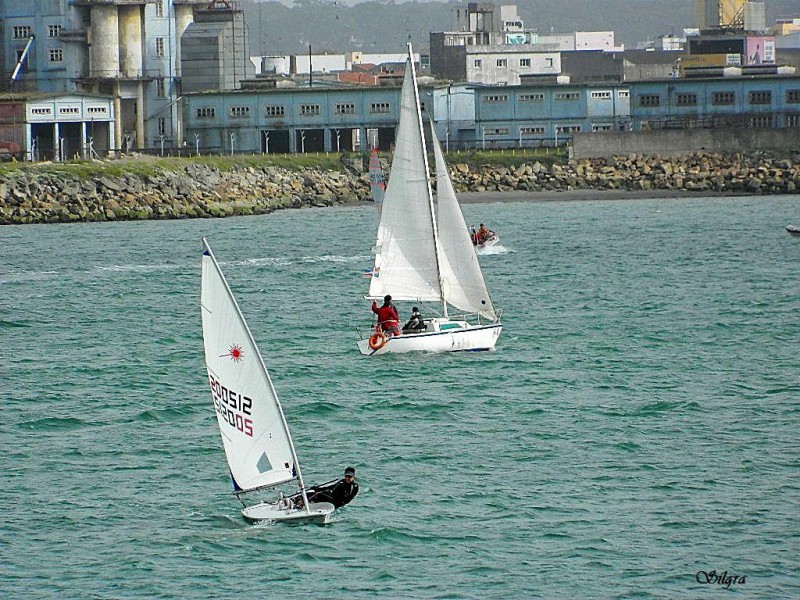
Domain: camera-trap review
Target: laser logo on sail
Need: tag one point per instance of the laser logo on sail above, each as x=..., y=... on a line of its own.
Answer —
x=235, y=352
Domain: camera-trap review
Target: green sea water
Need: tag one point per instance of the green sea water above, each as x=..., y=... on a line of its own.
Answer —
x=634, y=435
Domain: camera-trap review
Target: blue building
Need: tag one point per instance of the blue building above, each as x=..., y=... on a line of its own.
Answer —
x=466, y=116
x=763, y=101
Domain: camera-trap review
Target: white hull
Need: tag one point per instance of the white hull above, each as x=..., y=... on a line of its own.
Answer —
x=492, y=241
x=464, y=337
x=318, y=513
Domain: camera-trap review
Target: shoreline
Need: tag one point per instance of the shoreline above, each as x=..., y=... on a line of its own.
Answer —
x=589, y=195
x=134, y=191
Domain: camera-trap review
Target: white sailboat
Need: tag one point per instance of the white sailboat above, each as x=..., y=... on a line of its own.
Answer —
x=255, y=435
x=424, y=252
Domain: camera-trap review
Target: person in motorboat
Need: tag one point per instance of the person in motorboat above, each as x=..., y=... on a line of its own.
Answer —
x=415, y=323
x=337, y=493
x=483, y=234
x=388, y=320
x=473, y=234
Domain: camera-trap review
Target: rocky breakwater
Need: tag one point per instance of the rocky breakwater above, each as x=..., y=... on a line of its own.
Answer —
x=56, y=195
x=712, y=173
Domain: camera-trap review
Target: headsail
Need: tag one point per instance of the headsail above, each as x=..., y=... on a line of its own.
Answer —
x=406, y=264
x=463, y=285
x=257, y=442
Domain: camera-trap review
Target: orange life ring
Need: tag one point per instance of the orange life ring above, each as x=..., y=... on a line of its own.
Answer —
x=377, y=340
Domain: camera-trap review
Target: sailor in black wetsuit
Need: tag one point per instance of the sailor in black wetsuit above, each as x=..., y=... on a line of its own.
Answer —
x=338, y=493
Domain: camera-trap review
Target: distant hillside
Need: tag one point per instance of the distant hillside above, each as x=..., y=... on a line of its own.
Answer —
x=386, y=26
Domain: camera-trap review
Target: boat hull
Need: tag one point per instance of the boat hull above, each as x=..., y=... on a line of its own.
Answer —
x=472, y=338
x=491, y=241
x=318, y=513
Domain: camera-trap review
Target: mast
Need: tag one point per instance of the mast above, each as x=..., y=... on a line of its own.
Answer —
x=264, y=372
x=427, y=178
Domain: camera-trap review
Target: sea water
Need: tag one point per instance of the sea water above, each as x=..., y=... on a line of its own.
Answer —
x=635, y=433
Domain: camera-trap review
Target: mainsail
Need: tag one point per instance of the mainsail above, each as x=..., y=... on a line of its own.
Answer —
x=257, y=442
x=406, y=265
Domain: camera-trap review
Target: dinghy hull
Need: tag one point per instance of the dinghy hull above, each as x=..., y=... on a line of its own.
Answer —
x=318, y=513
x=461, y=339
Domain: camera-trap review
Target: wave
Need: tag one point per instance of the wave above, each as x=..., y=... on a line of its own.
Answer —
x=54, y=424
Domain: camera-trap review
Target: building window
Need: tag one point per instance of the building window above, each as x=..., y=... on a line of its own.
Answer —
x=761, y=121
x=793, y=120
x=531, y=130
x=548, y=62
x=53, y=31
x=531, y=97
x=162, y=126
x=206, y=112
x=379, y=107
x=21, y=32
x=347, y=108
x=601, y=95
x=308, y=110
x=502, y=63
x=760, y=97
x=477, y=63
x=69, y=110
x=240, y=112
x=623, y=94
x=525, y=62
x=496, y=98
x=160, y=46
x=160, y=8
x=496, y=131
x=722, y=98
x=161, y=87
x=567, y=96
x=97, y=110
x=792, y=96
x=601, y=127
x=56, y=55
x=686, y=99
x=274, y=111
x=649, y=100
x=42, y=112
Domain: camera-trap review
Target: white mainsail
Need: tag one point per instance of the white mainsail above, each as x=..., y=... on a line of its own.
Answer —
x=463, y=285
x=406, y=265
x=255, y=435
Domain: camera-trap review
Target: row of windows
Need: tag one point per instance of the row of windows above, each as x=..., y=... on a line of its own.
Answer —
x=756, y=97
x=536, y=97
x=69, y=110
x=503, y=62
x=277, y=111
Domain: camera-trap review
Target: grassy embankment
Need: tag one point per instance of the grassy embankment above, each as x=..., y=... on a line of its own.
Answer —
x=148, y=165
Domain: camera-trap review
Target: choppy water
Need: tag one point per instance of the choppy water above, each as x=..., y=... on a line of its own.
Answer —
x=637, y=423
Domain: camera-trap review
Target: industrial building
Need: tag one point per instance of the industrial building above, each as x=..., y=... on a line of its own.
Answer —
x=129, y=51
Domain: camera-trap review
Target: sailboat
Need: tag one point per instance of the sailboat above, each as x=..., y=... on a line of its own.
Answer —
x=423, y=251
x=254, y=431
x=376, y=183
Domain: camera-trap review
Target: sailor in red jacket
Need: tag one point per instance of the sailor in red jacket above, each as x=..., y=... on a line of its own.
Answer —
x=388, y=320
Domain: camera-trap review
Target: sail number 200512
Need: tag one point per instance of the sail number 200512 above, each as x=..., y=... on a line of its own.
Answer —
x=234, y=408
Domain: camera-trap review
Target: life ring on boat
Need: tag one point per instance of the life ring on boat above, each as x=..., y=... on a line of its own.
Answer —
x=377, y=340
